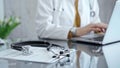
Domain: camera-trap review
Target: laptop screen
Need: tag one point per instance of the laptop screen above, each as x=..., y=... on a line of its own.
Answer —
x=112, y=34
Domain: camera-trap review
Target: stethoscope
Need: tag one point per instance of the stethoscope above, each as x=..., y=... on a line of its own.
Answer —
x=61, y=9
x=91, y=5
x=58, y=8
x=24, y=47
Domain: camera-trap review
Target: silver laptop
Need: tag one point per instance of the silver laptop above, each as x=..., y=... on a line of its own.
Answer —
x=112, y=34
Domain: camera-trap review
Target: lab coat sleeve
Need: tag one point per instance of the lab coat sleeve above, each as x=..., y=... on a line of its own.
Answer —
x=46, y=28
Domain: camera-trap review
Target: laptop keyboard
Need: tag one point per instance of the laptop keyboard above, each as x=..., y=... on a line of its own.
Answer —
x=98, y=38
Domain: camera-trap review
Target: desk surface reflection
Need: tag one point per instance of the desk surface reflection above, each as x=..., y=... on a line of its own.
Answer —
x=85, y=56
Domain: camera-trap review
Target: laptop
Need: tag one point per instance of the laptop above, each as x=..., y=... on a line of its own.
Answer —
x=112, y=34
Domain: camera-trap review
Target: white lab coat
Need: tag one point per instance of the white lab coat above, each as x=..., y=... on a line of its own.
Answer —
x=56, y=17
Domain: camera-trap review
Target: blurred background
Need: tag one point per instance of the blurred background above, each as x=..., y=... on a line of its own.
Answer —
x=26, y=10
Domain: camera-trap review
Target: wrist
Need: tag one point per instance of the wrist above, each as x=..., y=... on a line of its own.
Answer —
x=73, y=30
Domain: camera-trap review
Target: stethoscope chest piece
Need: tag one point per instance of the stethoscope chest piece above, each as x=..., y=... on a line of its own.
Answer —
x=26, y=50
x=92, y=14
x=91, y=5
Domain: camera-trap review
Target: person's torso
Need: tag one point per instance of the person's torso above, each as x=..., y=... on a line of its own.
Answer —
x=65, y=12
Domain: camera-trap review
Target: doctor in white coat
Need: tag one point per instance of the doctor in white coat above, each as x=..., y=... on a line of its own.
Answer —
x=55, y=18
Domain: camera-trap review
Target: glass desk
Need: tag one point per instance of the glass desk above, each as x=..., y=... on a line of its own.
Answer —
x=86, y=56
